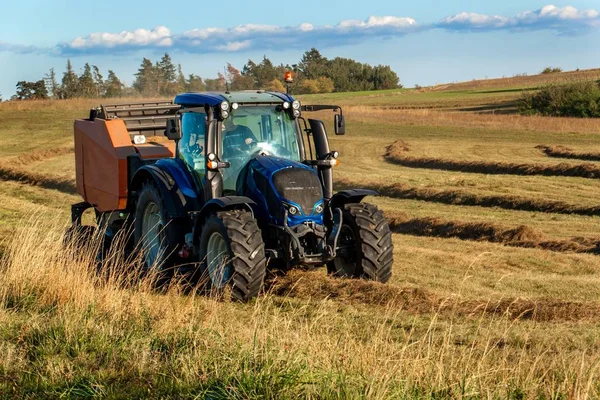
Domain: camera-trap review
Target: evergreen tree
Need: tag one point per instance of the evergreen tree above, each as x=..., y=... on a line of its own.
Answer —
x=166, y=75
x=313, y=65
x=114, y=87
x=146, y=79
x=86, y=82
x=52, y=85
x=69, y=87
x=98, y=82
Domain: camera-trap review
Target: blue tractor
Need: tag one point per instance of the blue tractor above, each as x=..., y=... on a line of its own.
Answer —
x=248, y=186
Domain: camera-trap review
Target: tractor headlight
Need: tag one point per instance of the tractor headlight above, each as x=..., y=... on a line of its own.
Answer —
x=293, y=210
x=296, y=113
x=224, y=114
x=296, y=105
x=235, y=106
x=225, y=106
x=286, y=105
x=319, y=209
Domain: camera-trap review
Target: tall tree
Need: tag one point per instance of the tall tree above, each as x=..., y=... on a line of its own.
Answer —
x=52, y=85
x=146, y=79
x=70, y=81
x=313, y=64
x=114, y=86
x=86, y=82
x=166, y=75
x=98, y=81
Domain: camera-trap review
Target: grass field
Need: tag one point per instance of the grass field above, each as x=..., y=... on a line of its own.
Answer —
x=495, y=292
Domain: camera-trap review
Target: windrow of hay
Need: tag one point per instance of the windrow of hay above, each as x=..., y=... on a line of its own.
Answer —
x=565, y=152
x=31, y=178
x=396, y=153
x=461, y=198
x=317, y=286
x=39, y=155
x=521, y=236
x=79, y=332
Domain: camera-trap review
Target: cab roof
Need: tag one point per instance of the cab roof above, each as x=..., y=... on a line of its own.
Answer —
x=216, y=98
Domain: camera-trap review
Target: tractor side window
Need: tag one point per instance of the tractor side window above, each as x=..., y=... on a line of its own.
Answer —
x=191, y=145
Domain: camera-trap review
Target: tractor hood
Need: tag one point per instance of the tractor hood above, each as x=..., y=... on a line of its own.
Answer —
x=278, y=185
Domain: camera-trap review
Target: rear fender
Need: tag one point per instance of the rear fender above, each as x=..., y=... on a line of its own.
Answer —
x=175, y=189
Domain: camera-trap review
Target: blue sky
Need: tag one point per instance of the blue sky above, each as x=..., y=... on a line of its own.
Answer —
x=426, y=42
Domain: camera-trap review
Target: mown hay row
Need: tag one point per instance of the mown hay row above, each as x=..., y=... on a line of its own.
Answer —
x=315, y=285
x=565, y=152
x=40, y=155
x=521, y=236
x=459, y=198
x=30, y=178
x=396, y=153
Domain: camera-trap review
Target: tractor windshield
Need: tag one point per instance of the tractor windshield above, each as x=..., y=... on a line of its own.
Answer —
x=253, y=130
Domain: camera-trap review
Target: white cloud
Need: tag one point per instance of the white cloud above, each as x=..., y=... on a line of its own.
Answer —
x=562, y=20
x=160, y=37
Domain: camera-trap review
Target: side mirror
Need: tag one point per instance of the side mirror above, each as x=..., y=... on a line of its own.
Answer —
x=173, y=131
x=339, y=124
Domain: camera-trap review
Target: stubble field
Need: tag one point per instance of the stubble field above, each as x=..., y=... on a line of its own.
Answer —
x=495, y=292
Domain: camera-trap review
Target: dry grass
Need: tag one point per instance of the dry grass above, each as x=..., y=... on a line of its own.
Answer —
x=429, y=117
x=524, y=81
x=75, y=331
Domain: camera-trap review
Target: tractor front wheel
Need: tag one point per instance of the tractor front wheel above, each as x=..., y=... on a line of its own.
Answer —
x=365, y=248
x=232, y=252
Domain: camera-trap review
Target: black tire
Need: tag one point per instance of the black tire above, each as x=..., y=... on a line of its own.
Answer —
x=165, y=248
x=244, y=266
x=365, y=248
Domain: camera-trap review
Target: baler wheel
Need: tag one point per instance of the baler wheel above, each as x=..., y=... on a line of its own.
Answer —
x=365, y=248
x=232, y=253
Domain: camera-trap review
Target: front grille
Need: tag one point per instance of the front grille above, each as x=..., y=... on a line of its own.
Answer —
x=299, y=185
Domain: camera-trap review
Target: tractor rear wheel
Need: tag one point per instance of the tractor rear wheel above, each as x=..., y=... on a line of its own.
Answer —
x=232, y=252
x=151, y=230
x=365, y=248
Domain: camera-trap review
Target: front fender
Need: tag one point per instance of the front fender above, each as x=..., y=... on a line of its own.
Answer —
x=225, y=203
x=344, y=197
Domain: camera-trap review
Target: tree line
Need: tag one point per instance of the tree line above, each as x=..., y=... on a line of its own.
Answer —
x=314, y=73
